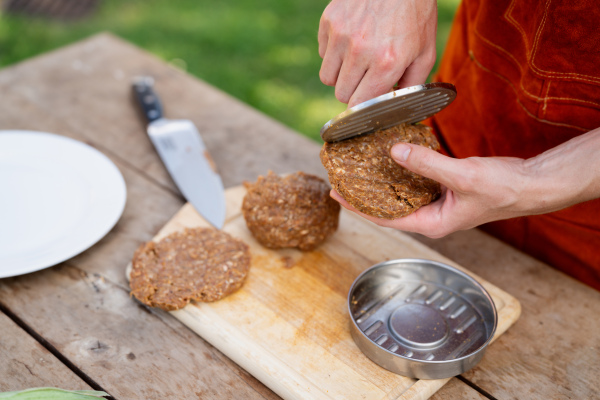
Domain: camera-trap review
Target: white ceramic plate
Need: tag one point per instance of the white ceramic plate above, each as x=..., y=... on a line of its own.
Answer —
x=58, y=197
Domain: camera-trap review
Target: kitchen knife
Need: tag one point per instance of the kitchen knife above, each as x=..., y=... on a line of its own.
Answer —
x=182, y=150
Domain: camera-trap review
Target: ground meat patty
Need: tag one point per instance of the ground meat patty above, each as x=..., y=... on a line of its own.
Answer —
x=362, y=171
x=290, y=211
x=201, y=264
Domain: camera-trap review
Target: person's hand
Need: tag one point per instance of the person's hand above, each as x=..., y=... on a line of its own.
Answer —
x=477, y=190
x=369, y=46
x=474, y=191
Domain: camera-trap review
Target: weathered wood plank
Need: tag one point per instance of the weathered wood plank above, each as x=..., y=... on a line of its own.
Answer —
x=456, y=389
x=148, y=205
x=43, y=299
x=296, y=343
x=127, y=349
x=24, y=363
x=553, y=351
x=86, y=87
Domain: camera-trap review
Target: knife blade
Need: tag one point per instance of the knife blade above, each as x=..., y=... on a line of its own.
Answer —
x=181, y=149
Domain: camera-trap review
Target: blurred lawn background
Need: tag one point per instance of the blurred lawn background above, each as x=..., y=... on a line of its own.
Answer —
x=264, y=52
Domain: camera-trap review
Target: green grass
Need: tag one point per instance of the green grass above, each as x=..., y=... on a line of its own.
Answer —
x=264, y=52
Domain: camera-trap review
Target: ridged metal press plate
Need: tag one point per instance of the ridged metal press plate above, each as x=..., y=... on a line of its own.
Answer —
x=421, y=318
x=408, y=105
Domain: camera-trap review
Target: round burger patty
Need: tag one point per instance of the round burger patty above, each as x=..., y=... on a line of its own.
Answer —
x=363, y=172
x=290, y=211
x=201, y=264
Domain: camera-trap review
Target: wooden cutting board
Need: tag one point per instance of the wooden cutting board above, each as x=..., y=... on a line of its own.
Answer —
x=289, y=325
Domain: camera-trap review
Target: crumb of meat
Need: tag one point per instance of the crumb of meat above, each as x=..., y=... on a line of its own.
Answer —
x=290, y=211
x=287, y=261
x=201, y=264
x=362, y=171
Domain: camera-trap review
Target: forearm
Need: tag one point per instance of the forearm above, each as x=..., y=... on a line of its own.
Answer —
x=564, y=175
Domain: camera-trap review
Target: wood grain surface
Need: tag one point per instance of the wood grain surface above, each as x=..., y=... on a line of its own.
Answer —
x=82, y=306
x=288, y=324
x=24, y=363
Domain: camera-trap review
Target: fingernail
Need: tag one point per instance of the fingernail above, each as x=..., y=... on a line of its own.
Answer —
x=400, y=152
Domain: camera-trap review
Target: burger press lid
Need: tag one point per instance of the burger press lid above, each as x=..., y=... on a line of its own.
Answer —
x=421, y=318
x=408, y=105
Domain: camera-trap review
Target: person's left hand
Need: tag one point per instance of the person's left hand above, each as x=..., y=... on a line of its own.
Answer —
x=369, y=46
x=475, y=190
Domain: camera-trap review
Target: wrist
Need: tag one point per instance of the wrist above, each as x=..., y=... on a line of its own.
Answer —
x=522, y=191
x=538, y=191
x=565, y=175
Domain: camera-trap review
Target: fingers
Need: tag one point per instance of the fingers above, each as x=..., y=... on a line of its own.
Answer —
x=368, y=46
x=330, y=68
x=330, y=51
x=323, y=36
x=359, y=69
x=418, y=71
x=380, y=78
x=356, y=81
x=427, y=220
x=353, y=81
x=450, y=172
x=379, y=221
x=338, y=197
x=342, y=68
x=351, y=74
x=374, y=83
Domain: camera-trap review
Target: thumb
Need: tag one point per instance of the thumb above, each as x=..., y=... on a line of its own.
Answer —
x=426, y=162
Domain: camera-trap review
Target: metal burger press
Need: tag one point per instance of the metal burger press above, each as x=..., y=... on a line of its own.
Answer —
x=421, y=318
x=408, y=105
x=418, y=318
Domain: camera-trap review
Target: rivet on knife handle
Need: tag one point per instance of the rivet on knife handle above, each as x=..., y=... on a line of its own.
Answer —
x=149, y=101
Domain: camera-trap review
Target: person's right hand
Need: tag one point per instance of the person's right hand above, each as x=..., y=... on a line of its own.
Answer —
x=369, y=46
x=477, y=190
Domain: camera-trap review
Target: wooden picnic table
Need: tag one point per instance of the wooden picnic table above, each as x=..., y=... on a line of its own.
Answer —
x=75, y=325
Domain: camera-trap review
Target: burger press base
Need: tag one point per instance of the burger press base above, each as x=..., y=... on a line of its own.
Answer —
x=289, y=326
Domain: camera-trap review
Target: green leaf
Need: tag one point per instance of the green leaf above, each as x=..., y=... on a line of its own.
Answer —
x=53, y=394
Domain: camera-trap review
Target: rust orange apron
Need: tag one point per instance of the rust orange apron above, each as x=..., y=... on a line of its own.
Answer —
x=528, y=79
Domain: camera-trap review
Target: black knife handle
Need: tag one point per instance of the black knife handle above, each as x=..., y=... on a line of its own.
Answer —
x=148, y=99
